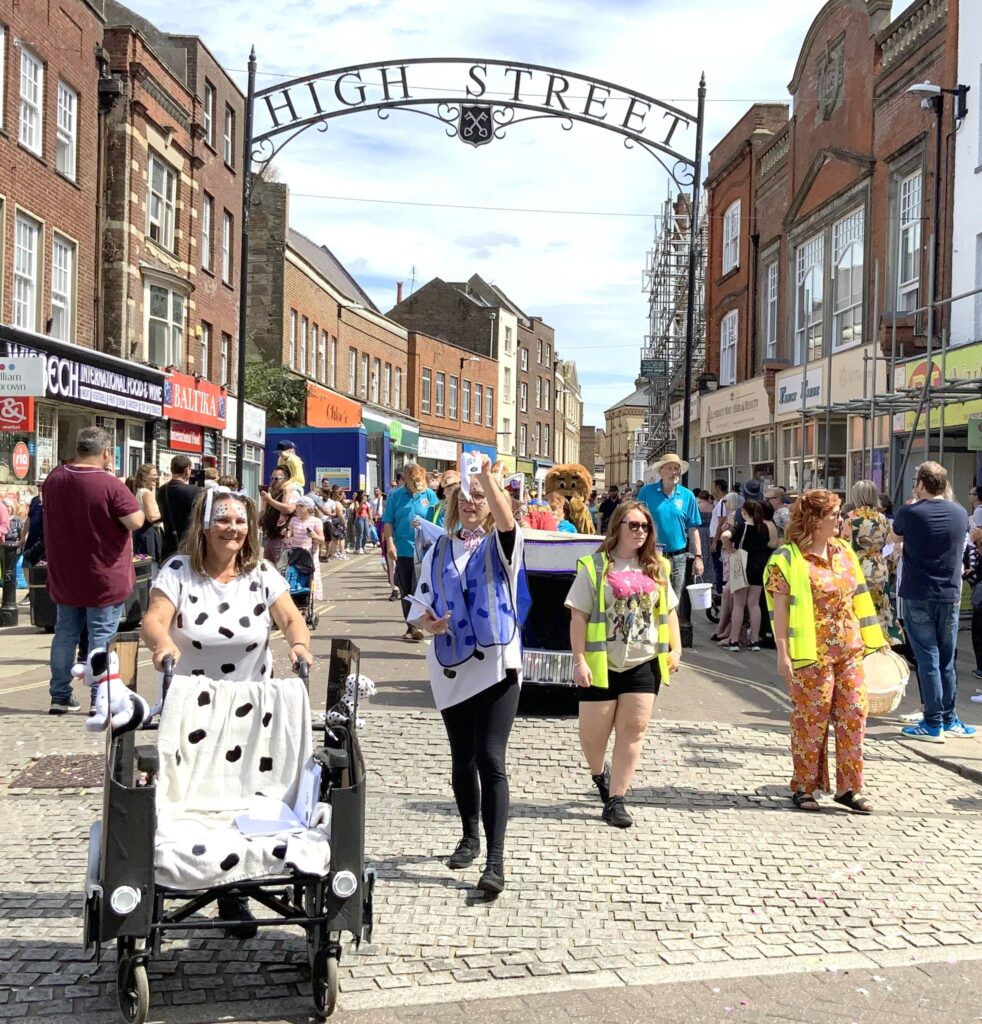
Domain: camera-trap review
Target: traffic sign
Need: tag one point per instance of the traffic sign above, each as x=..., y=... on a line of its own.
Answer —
x=652, y=368
x=23, y=375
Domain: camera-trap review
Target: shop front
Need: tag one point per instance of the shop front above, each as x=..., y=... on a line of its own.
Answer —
x=81, y=388
x=392, y=442
x=438, y=453
x=697, y=473
x=736, y=429
x=253, y=436
x=195, y=419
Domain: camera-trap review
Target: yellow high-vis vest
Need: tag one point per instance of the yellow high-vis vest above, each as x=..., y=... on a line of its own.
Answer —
x=802, y=646
x=595, y=653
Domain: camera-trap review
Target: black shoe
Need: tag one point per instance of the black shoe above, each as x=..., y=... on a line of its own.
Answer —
x=235, y=907
x=615, y=813
x=62, y=707
x=492, y=880
x=602, y=782
x=465, y=854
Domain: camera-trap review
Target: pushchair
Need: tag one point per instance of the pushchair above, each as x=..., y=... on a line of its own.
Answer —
x=300, y=571
x=125, y=899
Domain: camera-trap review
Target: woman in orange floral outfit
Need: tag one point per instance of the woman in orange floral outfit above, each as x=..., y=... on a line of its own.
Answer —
x=814, y=582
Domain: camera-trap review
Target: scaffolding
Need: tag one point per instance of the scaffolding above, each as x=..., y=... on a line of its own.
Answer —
x=665, y=281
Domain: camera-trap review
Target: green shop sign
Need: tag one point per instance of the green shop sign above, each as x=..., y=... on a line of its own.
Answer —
x=395, y=431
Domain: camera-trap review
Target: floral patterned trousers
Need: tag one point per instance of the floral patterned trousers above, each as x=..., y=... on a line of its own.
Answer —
x=823, y=694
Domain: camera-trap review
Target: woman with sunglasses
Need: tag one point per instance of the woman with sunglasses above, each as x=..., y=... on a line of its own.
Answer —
x=467, y=598
x=624, y=635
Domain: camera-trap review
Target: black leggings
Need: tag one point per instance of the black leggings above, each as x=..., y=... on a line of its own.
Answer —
x=478, y=730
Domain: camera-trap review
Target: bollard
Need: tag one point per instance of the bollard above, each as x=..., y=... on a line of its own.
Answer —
x=8, y=607
x=685, y=607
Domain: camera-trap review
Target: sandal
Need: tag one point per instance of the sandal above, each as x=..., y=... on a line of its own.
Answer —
x=805, y=802
x=855, y=802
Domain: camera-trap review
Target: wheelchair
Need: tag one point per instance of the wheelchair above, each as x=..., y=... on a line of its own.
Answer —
x=125, y=904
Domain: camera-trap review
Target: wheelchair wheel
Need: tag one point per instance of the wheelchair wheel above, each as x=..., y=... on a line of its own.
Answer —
x=712, y=613
x=324, y=981
x=133, y=991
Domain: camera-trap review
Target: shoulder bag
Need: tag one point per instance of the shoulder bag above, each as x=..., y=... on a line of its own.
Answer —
x=738, y=565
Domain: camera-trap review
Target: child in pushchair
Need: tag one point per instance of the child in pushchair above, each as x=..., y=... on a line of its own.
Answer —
x=300, y=571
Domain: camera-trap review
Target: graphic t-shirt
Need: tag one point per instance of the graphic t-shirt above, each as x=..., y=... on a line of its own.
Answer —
x=221, y=629
x=631, y=609
x=89, y=552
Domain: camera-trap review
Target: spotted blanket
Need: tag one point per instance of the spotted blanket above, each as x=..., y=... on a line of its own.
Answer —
x=221, y=743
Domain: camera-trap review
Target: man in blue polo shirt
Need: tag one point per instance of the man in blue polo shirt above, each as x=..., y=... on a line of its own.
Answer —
x=411, y=501
x=677, y=518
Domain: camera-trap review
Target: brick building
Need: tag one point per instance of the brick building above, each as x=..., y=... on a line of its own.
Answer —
x=452, y=392
x=568, y=408
x=308, y=313
x=592, y=446
x=624, y=460
x=810, y=220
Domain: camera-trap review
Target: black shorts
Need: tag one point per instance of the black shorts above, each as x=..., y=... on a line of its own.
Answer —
x=644, y=678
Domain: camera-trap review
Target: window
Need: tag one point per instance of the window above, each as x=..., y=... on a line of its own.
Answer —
x=549, y=355
x=441, y=388
x=3, y=72
x=229, y=142
x=230, y=362
x=387, y=385
x=376, y=379
x=731, y=237
x=546, y=395
x=304, y=328
x=62, y=288
x=208, y=114
x=523, y=390
x=424, y=397
x=478, y=397
x=226, y=345
x=165, y=326
x=728, y=348
x=506, y=428
x=363, y=377
x=465, y=410
x=162, y=186
x=452, y=399
x=507, y=383
x=321, y=354
x=508, y=340
x=538, y=352
x=847, y=281
x=536, y=438
x=809, y=299
x=333, y=371
x=525, y=359
x=909, y=243
x=397, y=389
x=769, y=320
x=204, y=364
x=67, y=131
x=538, y=392
x=352, y=370
x=489, y=407
x=545, y=441
x=292, y=355
x=761, y=450
x=27, y=238
x=227, y=248
x=523, y=440
x=31, y=101
x=207, y=230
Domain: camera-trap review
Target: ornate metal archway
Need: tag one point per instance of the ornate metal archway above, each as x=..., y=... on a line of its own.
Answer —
x=479, y=106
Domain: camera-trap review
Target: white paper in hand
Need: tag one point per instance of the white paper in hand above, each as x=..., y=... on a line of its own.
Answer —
x=470, y=466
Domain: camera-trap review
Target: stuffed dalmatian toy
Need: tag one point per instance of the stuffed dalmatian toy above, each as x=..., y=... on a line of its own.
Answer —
x=110, y=695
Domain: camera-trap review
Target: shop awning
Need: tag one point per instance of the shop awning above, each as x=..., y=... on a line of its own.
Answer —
x=403, y=434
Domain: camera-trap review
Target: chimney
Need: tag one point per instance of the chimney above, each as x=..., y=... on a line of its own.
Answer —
x=398, y=292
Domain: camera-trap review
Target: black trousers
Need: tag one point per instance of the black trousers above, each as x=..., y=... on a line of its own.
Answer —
x=478, y=729
x=977, y=636
x=405, y=577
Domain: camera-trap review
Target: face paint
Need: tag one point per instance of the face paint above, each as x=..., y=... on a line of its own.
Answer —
x=228, y=513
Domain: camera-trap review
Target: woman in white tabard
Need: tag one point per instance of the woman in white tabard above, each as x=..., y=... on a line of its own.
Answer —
x=624, y=635
x=467, y=598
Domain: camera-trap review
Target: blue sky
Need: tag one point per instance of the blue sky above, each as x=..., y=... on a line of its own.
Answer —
x=582, y=274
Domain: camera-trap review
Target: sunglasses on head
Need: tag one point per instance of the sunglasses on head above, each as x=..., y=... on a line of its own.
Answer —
x=635, y=527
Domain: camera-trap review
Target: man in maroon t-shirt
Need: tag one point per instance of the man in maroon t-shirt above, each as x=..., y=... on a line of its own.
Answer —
x=88, y=517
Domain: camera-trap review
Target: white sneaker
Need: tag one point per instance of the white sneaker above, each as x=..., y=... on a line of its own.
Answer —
x=976, y=698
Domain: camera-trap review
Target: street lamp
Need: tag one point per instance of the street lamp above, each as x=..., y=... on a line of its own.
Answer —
x=932, y=98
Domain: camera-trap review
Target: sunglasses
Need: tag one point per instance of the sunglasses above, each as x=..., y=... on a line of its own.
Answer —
x=635, y=527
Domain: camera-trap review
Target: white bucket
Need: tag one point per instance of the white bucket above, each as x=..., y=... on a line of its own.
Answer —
x=700, y=595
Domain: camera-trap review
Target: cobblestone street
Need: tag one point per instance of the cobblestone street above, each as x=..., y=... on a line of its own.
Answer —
x=719, y=878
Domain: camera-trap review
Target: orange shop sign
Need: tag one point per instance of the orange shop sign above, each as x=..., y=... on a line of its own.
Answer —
x=194, y=401
x=326, y=409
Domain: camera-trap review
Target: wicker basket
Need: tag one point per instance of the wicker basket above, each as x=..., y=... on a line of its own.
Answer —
x=887, y=676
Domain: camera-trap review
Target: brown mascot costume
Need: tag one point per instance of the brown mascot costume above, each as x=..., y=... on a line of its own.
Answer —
x=574, y=482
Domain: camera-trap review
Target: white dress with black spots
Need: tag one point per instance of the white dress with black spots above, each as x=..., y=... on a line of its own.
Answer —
x=221, y=629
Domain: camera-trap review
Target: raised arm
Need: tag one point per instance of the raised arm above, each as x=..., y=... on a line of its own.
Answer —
x=498, y=501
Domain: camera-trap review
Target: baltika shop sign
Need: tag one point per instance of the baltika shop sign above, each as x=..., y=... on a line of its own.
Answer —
x=194, y=401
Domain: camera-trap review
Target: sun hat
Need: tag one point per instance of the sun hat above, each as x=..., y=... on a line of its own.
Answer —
x=669, y=458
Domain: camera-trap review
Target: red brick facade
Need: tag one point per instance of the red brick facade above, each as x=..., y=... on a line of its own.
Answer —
x=64, y=40
x=536, y=391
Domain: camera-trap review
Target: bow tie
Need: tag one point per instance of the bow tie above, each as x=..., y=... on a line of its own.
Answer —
x=472, y=538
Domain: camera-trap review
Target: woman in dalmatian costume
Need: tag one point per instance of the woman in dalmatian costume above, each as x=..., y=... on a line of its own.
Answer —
x=213, y=605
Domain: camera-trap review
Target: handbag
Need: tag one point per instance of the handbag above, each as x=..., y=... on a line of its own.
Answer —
x=738, y=565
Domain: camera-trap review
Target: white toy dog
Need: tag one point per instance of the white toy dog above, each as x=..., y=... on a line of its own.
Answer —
x=110, y=695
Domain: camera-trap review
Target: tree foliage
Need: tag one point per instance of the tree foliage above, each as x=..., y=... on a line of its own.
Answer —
x=283, y=394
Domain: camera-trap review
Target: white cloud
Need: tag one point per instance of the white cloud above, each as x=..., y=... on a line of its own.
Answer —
x=581, y=273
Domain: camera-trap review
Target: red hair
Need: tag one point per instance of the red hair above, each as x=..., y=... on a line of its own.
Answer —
x=807, y=512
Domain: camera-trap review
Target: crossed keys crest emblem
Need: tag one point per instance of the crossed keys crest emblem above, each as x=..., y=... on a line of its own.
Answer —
x=475, y=126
